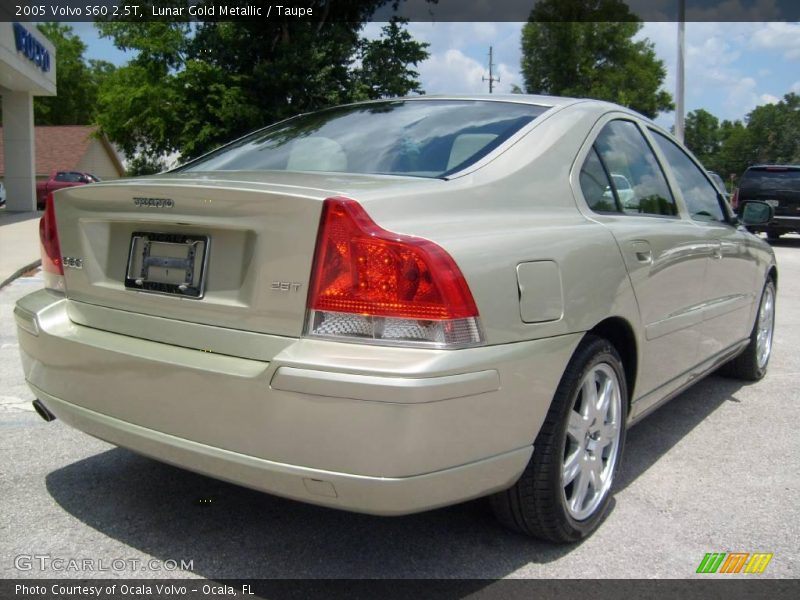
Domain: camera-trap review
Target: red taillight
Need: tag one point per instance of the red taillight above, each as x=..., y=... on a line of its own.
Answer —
x=371, y=283
x=48, y=236
x=735, y=199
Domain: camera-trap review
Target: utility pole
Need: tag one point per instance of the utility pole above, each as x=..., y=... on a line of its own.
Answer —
x=491, y=78
x=679, y=87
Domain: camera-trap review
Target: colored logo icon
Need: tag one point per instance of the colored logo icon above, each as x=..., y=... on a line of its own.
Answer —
x=734, y=562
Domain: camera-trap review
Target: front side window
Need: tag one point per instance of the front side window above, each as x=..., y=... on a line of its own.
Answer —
x=700, y=195
x=422, y=138
x=635, y=173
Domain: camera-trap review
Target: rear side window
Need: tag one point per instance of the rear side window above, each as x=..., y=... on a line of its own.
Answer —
x=422, y=138
x=700, y=195
x=595, y=185
x=635, y=173
x=68, y=176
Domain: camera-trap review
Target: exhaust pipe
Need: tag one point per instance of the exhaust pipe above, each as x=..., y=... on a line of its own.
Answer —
x=42, y=411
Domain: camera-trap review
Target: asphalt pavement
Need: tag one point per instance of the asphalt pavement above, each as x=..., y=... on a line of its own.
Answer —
x=715, y=470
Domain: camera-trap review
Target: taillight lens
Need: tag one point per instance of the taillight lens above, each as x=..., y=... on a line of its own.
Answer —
x=52, y=266
x=373, y=285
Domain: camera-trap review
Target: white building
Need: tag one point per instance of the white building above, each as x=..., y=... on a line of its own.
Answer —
x=27, y=69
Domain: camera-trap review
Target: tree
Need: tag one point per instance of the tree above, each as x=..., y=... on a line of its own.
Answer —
x=77, y=81
x=189, y=90
x=385, y=63
x=736, y=150
x=585, y=48
x=775, y=131
x=702, y=135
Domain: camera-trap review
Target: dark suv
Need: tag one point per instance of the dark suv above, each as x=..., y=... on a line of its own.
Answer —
x=778, y=186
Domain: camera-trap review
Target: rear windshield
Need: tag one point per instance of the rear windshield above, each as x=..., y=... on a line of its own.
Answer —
x=771, y=180
x=423, y=138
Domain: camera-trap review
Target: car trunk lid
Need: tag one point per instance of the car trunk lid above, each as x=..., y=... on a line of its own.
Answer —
x=189, y=259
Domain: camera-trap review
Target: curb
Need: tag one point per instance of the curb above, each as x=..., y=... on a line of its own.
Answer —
x=20, y=271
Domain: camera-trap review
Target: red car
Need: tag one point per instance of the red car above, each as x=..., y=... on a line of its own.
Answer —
x=58, y=180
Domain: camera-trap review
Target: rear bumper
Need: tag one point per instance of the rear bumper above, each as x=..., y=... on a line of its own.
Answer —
x=374, y=495
x=364, y=428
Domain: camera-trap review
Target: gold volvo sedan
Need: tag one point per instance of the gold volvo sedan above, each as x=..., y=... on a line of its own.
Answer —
x=392, y=306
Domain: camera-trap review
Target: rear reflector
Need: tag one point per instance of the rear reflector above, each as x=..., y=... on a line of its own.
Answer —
x=52, y=267
x=370, y=284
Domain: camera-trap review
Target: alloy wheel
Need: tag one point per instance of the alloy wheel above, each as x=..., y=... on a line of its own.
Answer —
x=592, y=442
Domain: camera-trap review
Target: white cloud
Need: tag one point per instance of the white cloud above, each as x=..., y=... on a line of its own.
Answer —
x=768, y=99
x=783, y=37
x=453, y=72
x=714, y=56
x=460, y=56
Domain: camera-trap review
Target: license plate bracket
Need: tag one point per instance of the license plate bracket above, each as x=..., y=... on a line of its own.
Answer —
x=172, y=264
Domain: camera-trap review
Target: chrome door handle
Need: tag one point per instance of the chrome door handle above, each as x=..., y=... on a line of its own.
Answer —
x=642, y=251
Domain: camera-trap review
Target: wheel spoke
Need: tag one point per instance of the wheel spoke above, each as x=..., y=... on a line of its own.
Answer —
x=579, y=490
x=607, y=434
x=605, y=398
x=576, y=426
x=594, y=476
x=572, y=466
x=589, y=392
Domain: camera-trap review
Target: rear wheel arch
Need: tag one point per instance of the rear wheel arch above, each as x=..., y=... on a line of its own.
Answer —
x=619, y=333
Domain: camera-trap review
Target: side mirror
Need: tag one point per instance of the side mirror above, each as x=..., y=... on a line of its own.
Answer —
x=757, y=213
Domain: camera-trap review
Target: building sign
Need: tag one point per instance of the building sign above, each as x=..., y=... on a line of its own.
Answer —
x=32, y=48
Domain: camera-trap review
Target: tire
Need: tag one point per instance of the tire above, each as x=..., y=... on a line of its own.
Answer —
x=571, y=440
x=751, y=364
x=773, y=236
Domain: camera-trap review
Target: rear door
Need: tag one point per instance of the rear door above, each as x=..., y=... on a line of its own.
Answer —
x=665, y=253
x=731, y=278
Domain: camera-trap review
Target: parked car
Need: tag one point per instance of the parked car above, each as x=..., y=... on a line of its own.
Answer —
x=392, y=306
x=59, y=180
x=720, y=185
x=778, y=186
x=622, y=189
x=2, y=195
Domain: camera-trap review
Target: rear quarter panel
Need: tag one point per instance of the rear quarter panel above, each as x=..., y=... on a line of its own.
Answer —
x=520, y=208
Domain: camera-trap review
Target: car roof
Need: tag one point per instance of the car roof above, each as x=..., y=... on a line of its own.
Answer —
x=538, y=100
x=764, y=167
x=532, y=99
x=548, y=102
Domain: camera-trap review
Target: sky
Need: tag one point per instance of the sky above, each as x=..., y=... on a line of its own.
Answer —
x=730, y=67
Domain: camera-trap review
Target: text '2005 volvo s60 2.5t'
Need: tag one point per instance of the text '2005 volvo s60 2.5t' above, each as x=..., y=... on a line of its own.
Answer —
x=397, y=305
